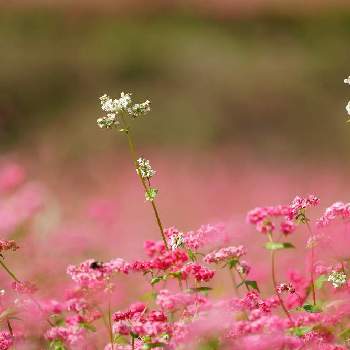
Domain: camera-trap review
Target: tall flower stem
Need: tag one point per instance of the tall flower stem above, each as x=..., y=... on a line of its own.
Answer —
x=242, y=279
x=9, y=271
x=274, y=280
x=132, y=149
x=234, y=282
x=312, y=265
x=110, y=329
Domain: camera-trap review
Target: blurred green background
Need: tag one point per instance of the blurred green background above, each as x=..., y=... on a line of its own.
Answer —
x=269, y=82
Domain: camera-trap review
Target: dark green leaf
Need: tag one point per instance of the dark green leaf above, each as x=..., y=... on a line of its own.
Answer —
x=249, y=283
x=191, y=255
x=232, y=263
x=153, y=345
x=200, y=289
x=88, y=326
x=311, y=308
x=156, y=280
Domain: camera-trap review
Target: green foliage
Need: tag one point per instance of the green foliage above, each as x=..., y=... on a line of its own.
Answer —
x=151, y=194
x=200, y=290
x=300, y=331
x=153, y=345
x=57, y=345
x=320, y=281
x=249, y=283
x=278, y=245
x=311, y=308
x=232, y=263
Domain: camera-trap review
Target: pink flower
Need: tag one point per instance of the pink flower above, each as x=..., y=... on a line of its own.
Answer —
x=338, y=209
x=25, y=287
x=72, y=334
x=285, y=287
x=8, y=245
x=225, y=254
x=6, y=340
x=256, y=215
x=94, y=274
x=199, y=272
x=287, y=227
x=265, y=227
x=11, y=176
x=300, y=203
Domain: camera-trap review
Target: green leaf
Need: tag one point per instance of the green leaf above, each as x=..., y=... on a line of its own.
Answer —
x=311, y=308
x=151, y=194
x=300, y=331
x=249, y=283
x=88, y=326
x=56, y=345
x=345, y=335
x=200, y=290
x=153, y=345
x=191, y=255
x=176, y=274
x=232, y=263
x=320, y=280
x=278, y=245
x=157, y=279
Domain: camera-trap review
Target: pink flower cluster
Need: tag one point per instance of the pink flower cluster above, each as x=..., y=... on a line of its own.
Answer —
x=300, y=203
x=338, y=209
x=184, y=306
x=25, y=287
x=6, y=340
x=94, y=274
x=204, y=236
x=8, y=245
x=197, y=271
x=179, y=301
x=161, y=259
x=262, y=217
x=138, y=320
x=225, y=254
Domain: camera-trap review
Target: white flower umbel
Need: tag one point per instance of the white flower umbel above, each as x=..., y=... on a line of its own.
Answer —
x=348, y=107
x=122, y=106
x=177, y=241
x=337, y=278
x=140, y=109
x=144, y=168
x=108, y=122
x=347, y=80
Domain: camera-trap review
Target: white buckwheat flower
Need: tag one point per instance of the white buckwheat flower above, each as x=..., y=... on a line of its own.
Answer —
x=337, y=278
x=348, y=107
x=144, y=168
x=177, y=241
x=140, y=109
x=124, y=102
x=124, y=106
x=108, y=122
x=347, y=80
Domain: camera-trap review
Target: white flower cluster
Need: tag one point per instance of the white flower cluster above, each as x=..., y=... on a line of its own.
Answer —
x=337, y=278
x=177, y=241
x=144, y=168
x=347, y=81
x=115, y=107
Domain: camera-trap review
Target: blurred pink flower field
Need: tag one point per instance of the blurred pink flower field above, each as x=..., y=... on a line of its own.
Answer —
x=97, y=213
